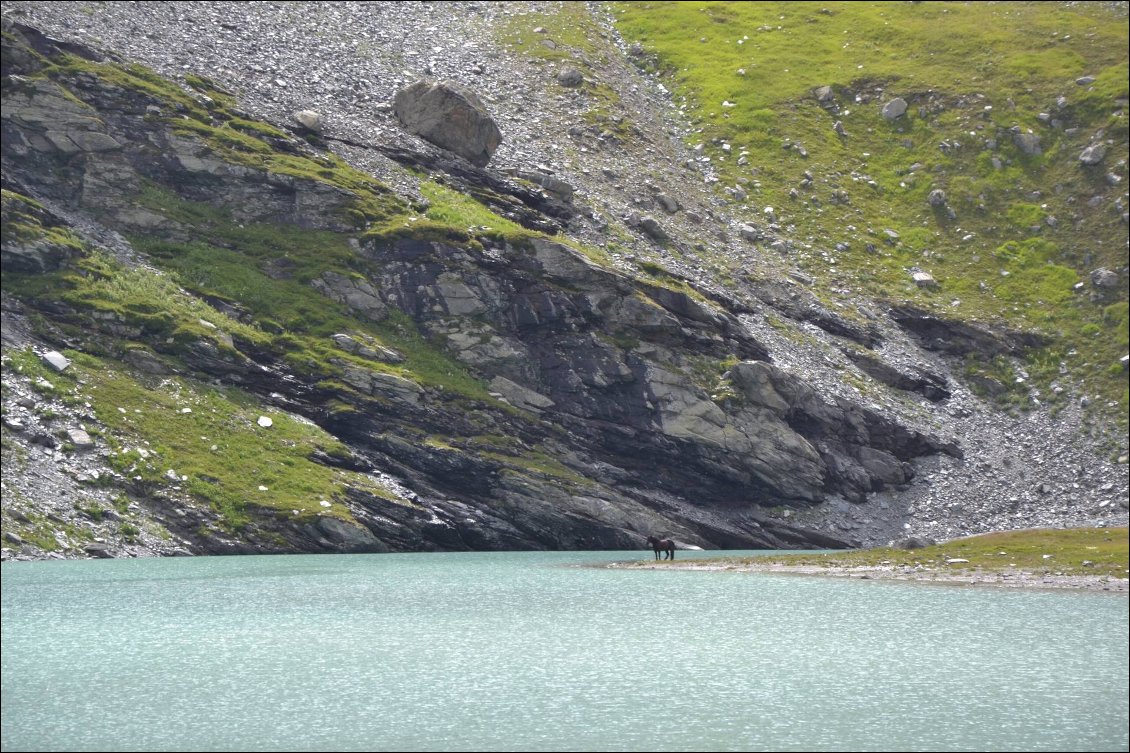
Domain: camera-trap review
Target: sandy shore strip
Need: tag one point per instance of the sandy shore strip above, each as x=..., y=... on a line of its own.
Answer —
x=1012, y=578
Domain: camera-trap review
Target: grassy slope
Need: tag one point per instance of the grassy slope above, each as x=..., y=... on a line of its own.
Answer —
x=1001, y=259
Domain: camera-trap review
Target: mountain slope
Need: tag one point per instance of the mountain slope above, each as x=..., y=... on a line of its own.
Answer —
x=441, y=368
x=984, y=144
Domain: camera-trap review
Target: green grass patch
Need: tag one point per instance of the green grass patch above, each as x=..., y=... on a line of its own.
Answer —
x=449, y=208
x=210, y=437
x=25, y=220
x=566, y=30
x=1075, y=551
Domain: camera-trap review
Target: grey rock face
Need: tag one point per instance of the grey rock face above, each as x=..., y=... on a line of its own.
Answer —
x=344, y=537
x=39, y=255
x=519, y=396
x=99, y=551
x=451, y=117
x=355, y=293
x=857, y=451
x=957, y=338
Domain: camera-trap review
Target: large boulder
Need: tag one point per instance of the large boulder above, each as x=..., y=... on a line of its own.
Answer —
x=449, y=116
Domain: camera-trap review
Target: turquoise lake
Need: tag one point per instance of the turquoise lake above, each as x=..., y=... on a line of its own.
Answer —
x=538, y=651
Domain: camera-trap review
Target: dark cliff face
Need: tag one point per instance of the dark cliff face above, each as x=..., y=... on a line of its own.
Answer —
x=511, y=391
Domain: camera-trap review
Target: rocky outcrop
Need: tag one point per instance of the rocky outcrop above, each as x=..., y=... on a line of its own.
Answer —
x=914, y=379
x=859, y=450
x=958, y=338
x=30, y=240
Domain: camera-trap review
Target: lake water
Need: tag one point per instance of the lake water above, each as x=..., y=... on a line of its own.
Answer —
x=532, y=651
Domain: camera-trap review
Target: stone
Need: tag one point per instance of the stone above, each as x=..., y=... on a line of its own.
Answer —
x=824, y=94
x=80, y=439
x=838, y=127
x=345, y=342
x=668, y=203
x=570, y=77
x=265, y=422
x=554, y=185
x=33, y=255
x=650, y=226
x=924, y=280
x=55, y=360
x=309, y=119
x=749, y=232
x=894, y=109
x=100, y=551
x=1028, y=143
x=1085, y=80
x=936, y=198
x=451, y=117
x=1093, y=154
x=1104, y=278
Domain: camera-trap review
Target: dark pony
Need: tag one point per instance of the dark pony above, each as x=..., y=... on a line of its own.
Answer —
x=667, y=546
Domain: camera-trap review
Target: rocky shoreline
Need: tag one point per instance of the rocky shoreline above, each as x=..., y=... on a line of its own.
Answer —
x=1009, y=578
